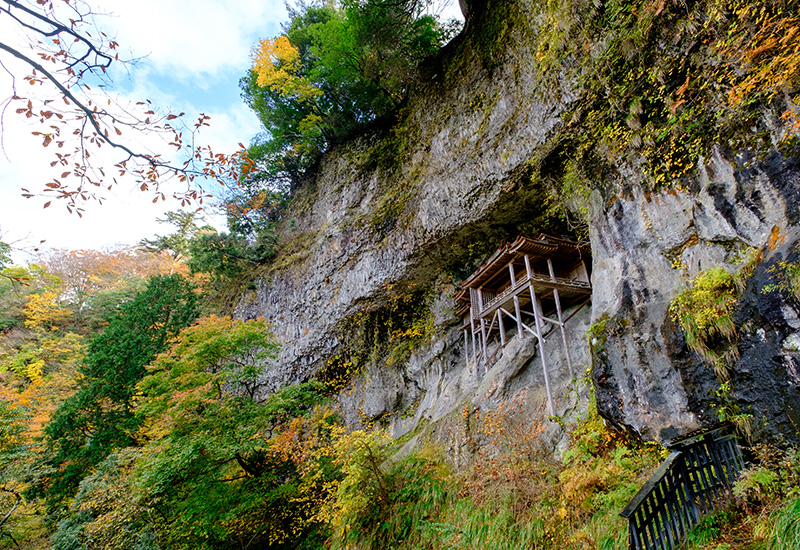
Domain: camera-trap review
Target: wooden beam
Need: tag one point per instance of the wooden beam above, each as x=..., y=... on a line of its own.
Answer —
x=523, y=325
x=483, y=326
x=552, y=321
x=466, y=349
x=501, y=327
x=560, y=320
x=474, y=345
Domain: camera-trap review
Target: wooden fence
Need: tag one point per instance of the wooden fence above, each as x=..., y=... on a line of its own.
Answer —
x=695, y=478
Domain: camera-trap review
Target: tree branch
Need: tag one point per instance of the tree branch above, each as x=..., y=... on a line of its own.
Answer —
x=17, y=502
x=89, y=114
x=74, y=53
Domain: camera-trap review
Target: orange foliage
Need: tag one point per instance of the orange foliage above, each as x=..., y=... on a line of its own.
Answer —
x=770, y=58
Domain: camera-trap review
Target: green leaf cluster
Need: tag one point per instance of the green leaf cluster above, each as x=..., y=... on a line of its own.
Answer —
x=705, y=311
x=177, y=242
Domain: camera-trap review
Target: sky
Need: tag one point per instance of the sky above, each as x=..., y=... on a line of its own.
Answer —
x=192, y=54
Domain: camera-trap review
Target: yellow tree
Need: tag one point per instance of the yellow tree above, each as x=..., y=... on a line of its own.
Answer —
x=277, y=63
x=278, y=66
x=43, y=312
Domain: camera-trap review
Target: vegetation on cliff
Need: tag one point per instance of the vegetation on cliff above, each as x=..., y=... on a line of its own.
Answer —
x=129, y=421
x=339, y=66
x=188, y=449
x=662, y=83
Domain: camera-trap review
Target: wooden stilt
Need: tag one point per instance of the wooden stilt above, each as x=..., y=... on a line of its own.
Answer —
x=523, y=325
x=536, y=313
x=560, y=319
x=491, y=294
x=483, y=327
x=474, y=344
x=528, y=269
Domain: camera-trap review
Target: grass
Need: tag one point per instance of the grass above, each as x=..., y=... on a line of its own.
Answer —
x=786, y=530
x=514, y=495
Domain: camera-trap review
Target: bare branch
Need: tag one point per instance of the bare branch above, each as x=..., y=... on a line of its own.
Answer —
x=63, y=55
x=17, y=502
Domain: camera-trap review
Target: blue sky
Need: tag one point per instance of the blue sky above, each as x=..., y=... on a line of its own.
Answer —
x=193, y=54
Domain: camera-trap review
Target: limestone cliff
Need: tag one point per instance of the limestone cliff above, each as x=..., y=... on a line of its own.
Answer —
x=410, y=208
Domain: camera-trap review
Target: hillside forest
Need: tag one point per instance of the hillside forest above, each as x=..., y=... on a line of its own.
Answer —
x=136, y=412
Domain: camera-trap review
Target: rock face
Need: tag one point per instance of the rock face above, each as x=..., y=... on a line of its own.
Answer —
x=383, y=212
x=646, y=249
x=430, y=199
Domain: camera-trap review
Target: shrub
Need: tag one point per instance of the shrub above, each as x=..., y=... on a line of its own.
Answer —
x=705, y=311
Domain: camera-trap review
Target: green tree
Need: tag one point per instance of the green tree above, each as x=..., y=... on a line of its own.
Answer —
x=229, y=258
x=12, y=445
x=337, y=67
x=175, y=244
x=100, y=417
x=219, y=463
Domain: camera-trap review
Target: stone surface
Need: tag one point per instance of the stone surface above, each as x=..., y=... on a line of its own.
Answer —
x=366, y=226
x=646, y=249
x=389, y=212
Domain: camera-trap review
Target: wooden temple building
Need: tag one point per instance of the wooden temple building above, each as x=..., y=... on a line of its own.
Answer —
x=526, y=284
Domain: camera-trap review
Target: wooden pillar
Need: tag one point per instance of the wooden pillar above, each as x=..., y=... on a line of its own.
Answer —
x=466, y=348
x=560, y=319
x=516, y=300
x=537, y=317
x=474, y=345
x=501, y=327
x=483, y=327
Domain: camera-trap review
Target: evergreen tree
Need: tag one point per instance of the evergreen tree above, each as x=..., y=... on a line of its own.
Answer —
x=99, y=417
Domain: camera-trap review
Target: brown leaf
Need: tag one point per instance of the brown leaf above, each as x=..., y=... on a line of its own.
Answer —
x=47, y=204
x=683, y=88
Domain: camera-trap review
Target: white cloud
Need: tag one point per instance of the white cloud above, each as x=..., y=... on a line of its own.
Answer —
x=201, y=41
x=191, y=37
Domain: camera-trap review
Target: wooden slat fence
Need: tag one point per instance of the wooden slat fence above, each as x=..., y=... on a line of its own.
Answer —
x=691, y=482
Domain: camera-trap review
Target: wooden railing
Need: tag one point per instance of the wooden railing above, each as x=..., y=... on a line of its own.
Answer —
x=490, y=303
x=692, y=482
